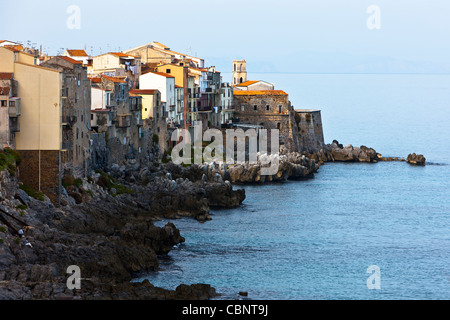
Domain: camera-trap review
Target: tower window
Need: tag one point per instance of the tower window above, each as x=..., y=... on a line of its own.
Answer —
x=256, y=108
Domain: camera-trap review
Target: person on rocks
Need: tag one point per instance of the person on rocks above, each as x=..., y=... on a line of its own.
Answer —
x=21, y=233
x=27, y=243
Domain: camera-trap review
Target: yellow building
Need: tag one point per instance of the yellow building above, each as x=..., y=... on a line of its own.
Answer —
x=179, y=72
x=39, y=139
x=151, y=101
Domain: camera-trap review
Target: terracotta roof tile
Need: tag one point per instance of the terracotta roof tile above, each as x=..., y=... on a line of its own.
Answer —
x=14, y=48
x=6, y=75
x=143, y=91
x=77, y=53
x=246, y=83
x=162, y=74
x=73, y=61
x=260, y=93
x=114, y=79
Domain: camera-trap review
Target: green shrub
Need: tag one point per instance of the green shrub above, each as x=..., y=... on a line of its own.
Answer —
x=107, y=182
x=1, y=241
x=77, y=182
x=30, y=191
x=3, y=229
x=15, y=154
x=155, y=139
x=22, y=207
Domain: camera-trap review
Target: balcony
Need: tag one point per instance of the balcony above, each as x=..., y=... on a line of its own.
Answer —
x=15, y=125
x=68, y=120
x=14, y=108
x=204, y=109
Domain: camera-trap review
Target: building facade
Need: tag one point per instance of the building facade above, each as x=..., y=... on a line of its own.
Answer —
x=75, y=113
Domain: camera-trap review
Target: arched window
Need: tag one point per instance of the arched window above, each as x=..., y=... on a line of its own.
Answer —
x=241, y=80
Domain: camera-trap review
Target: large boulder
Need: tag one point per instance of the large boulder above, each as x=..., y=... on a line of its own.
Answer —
x=416, y=159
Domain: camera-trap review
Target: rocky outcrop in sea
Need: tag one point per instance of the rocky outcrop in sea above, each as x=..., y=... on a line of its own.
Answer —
x=336, y=152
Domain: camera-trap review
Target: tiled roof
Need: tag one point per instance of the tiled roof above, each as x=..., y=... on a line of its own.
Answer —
x=246, y=84
x=260, y=93
x=120, y=54
x=77, y=53
x=6, y=75
x=114, y=79
x=73, y=61
x=143, y=91
x=162, y=74
x=14, y=48
x=96, y=80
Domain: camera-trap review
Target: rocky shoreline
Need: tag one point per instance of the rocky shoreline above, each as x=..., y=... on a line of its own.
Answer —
x=105, y=227
x=105, y=223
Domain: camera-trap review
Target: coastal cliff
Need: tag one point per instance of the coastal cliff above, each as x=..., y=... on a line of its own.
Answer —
x=106, y=228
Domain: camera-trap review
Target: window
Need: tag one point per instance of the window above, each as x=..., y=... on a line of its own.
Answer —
x=146, y=109
x=242, y=108
x=92, y=116
x=268, y=108
x=4, y=103
x=168, y=71
x=12, y=103
x=279, y=109
x=255, y=108
x=279, y=126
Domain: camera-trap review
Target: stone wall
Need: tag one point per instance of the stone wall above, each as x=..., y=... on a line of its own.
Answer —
x=269, y=111
x=40, y=170
x=309, y=125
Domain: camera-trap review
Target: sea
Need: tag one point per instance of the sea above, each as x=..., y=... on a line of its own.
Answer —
x=356, y=231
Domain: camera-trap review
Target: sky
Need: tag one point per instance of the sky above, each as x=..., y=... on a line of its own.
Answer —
x=273, y=36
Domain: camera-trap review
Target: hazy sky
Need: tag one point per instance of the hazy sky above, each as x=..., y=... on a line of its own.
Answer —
x=261, y=31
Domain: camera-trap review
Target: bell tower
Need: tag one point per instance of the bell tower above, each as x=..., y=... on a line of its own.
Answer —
x=239, y=71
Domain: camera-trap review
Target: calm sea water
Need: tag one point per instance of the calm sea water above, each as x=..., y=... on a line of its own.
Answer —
x=315, y=239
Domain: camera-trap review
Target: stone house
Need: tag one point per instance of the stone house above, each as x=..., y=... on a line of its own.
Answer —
x=75, y=114
x=269, y=109
x=119, y=115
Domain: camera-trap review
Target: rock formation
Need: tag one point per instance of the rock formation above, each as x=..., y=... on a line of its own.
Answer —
x=416, y=159
x=104, y=226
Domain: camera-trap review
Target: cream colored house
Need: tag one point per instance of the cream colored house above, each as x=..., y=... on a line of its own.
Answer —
x=39, y=139
x=155, y=52
x=116, y=64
